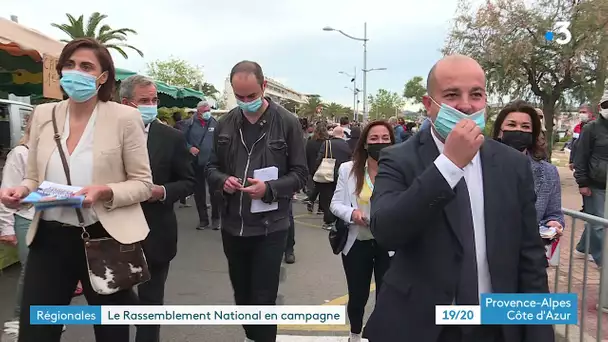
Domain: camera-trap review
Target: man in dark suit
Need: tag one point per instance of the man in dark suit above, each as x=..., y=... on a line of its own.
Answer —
x=459, y=212
x=173, y=177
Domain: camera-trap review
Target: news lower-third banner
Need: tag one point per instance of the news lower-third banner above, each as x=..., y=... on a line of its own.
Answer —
x=189, y=315
x=512, y=308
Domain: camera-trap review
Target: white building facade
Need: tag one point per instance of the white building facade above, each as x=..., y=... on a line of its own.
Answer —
x=274, y=89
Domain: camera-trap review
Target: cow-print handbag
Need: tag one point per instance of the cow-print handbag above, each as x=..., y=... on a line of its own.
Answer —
x=112, y=266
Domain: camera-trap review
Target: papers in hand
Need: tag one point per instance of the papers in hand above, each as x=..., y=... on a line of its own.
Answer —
x=52, y=195
x=548, y=232
x=265, y=174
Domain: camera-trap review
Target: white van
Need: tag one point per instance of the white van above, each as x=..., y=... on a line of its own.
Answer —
x=13, y=117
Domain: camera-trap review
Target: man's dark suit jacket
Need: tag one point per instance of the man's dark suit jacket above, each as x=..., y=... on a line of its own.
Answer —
x=413, y=213
x=171, y=165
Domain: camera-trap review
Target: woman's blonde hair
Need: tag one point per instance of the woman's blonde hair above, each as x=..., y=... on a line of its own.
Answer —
x=26, y=133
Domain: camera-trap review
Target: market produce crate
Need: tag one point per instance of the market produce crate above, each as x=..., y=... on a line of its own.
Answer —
x=8, y=256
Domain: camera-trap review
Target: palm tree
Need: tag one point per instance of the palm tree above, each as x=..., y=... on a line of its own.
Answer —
x=291, y=106
x=334, y=110
x=112, y=39
x=309, y=109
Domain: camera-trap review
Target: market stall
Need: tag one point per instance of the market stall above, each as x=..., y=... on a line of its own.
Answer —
x=169, y=96
x=27, y=61
x=27, y=67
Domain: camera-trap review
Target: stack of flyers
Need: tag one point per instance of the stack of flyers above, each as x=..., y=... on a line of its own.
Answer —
x=52, y=195
x=547, y=232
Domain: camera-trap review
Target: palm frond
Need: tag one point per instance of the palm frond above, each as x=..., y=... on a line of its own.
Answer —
x=94, y=20
x=118, y=49
x=104, y=29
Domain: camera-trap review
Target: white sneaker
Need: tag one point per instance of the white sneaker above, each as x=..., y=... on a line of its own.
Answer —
x=12, y=324
x=580, y=255
x=11, y=330
x=354, y=337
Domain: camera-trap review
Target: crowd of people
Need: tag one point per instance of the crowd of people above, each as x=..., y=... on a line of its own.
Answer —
x=437, y=214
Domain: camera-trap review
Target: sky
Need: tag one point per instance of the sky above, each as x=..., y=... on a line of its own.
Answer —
x=284, y=36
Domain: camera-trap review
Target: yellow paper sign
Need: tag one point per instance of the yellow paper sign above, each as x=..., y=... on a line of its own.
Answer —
x=50, y=86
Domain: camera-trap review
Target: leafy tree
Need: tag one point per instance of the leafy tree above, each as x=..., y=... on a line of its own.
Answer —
x=507, y=38
x=111, y=38
x=414, y=90
x=309, y=109
x=221, y=103
x=291, y=106
x=385, y=104
x=179, y=72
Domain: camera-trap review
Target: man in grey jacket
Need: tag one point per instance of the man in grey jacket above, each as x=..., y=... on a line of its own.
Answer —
x=199, y=131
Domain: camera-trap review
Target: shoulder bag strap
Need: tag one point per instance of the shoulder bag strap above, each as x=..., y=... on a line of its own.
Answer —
x=66, y=169
x=331, y=154
x=326, y=148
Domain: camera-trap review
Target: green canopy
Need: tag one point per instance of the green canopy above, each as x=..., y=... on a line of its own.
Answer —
x=20, y=70
x=170, y=96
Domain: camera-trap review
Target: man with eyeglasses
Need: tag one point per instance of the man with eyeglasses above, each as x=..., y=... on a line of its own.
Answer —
x=173, y=179
x=590, y=167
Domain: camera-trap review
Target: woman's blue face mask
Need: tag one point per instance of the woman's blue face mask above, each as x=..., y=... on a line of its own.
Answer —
x=78, y=85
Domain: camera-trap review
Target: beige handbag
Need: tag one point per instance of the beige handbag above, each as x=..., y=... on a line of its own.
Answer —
x=325, y=172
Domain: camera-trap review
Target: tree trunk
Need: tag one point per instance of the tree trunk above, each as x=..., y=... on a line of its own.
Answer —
x=549, y=112
x=600, y=82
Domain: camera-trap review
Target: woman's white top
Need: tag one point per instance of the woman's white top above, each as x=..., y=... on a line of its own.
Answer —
x=12, y=175
x=81, y=171
x=344, y=202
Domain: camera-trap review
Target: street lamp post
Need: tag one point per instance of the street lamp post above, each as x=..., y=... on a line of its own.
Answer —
x=365, y=69
x=353, y=79
x=355, y=106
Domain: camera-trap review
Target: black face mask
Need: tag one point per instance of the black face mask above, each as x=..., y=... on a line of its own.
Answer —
x=373, y=150
x=519, y=140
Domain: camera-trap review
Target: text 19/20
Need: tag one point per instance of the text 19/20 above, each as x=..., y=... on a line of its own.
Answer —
x=458, y=315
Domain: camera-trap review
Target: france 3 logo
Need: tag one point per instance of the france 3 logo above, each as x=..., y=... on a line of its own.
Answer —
x=560, y=34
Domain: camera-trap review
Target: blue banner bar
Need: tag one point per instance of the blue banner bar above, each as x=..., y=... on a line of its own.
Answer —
x=529, y=308
x=65, y=315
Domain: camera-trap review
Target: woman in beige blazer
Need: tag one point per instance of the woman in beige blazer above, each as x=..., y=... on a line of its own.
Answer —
x=105, y=148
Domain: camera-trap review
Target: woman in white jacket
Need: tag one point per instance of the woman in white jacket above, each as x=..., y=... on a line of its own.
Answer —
x=361, y=255
x=15, y=223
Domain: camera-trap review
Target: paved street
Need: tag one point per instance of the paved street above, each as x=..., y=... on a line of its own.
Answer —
x=199, y=275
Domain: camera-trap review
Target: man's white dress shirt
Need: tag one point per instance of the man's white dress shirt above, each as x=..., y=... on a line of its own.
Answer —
x=473, y=176
x=146, y=131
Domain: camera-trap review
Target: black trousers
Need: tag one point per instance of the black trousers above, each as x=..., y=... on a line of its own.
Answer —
x=200, y=197
x=254, y=266
x=364, y=258
x=326, y=192
x=291, y=233
x=152, y=292
x=312, y=191
x=55, y=264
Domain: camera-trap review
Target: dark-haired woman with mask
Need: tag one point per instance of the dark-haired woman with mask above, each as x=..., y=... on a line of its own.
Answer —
x=361, y=255
x=99, y=146
x=519, y=126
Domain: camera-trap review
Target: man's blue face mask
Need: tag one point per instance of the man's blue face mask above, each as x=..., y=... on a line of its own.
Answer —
x=448, y=117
